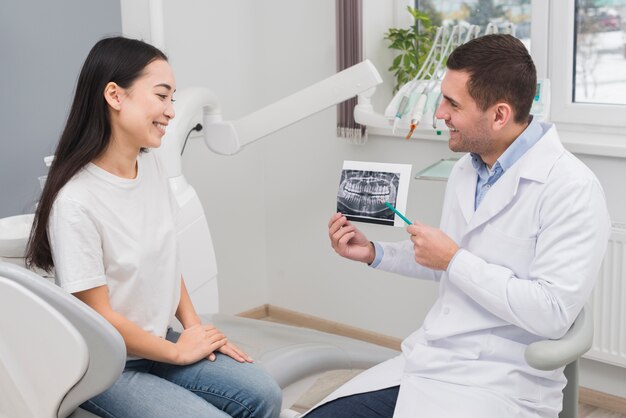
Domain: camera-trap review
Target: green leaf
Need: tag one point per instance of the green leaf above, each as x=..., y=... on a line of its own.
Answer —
x=396, y=60
x=413, y=46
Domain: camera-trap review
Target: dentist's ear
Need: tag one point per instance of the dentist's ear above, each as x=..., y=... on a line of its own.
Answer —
x=113, y=95
x=502, y=113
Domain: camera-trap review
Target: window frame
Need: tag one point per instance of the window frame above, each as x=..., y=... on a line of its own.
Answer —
x=564, y=109
x=539, y=29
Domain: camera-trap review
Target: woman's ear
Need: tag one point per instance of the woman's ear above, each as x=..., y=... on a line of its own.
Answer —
x=113, y=95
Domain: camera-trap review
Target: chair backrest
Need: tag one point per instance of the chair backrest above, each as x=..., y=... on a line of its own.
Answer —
x=552, y=354
x=88, y=353
x=199, y=266
x=42, y=355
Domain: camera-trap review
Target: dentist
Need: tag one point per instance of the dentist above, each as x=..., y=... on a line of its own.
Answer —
x=523, y=232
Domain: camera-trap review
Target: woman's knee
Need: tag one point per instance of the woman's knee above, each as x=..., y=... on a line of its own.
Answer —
x=268, y=399
x=253, y=392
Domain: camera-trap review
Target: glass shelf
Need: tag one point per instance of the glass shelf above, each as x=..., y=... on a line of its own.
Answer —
x=439, y=171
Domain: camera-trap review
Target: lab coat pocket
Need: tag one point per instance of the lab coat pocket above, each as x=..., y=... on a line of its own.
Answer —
x=458, y=348
x=452, y=357
x=515, y=253
x=514, y=377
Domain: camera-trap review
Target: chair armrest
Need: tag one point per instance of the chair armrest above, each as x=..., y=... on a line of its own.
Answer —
x=552, y=354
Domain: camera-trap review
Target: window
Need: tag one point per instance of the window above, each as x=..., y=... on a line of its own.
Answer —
x=510, y=16
x=588, y=72
x=600, y=58
x=482, y=13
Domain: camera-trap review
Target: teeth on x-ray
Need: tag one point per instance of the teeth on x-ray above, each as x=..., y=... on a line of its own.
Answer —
x=367, y=189
x=362, y=197
x=365, y=192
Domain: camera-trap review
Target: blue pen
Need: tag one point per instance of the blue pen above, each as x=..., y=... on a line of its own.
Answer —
x=398, y=213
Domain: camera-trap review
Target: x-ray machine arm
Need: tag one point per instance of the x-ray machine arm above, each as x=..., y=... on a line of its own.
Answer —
x=224, y=137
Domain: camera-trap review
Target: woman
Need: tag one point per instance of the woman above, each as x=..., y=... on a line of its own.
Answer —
x=106, y=223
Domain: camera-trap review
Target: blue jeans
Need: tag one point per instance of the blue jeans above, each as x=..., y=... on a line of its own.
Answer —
x=221, y=388
x=377, y=404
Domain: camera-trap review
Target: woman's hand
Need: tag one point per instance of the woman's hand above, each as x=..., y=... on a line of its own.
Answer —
x=198, y=342
x=231, y=350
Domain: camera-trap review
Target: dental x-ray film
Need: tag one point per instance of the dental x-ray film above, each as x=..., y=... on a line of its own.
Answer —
x=366, y=186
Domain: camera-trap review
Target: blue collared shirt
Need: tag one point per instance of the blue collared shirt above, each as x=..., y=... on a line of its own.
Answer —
x=487, y=178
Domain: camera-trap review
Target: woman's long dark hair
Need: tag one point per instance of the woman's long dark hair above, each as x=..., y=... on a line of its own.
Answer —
x=87, y=132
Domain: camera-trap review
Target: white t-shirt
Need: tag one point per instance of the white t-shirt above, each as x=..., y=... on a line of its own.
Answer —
x=107, y=230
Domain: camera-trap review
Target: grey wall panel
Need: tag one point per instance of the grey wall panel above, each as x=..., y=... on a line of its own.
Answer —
x=43, y=44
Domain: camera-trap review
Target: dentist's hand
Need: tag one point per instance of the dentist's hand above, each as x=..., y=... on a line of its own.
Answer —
x=348, y=241
x=433, y=248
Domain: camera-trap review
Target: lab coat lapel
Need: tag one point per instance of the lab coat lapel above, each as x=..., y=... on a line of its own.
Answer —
x=535, y=165
x=466, y=188
x=498, y=197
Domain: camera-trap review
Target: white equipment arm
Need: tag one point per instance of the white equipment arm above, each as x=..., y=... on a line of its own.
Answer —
x=224, y=137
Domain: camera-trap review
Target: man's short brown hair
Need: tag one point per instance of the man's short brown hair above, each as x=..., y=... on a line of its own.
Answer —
x=500, y=69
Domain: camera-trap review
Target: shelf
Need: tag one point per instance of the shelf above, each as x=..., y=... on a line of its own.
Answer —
x=439, y=171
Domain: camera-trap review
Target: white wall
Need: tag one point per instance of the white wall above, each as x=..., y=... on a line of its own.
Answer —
x=268, y=206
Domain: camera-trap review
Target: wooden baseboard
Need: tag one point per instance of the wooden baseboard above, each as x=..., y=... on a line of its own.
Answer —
x=260, y=312
x=602, y=400
x=287, y=316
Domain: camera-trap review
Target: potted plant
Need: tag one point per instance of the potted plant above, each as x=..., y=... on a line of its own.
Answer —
x=412, y=45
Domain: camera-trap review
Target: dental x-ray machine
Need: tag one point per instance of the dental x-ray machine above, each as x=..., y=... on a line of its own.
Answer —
x=225, y=137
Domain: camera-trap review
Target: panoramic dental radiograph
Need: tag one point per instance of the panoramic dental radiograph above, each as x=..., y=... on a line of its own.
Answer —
x=362, y=195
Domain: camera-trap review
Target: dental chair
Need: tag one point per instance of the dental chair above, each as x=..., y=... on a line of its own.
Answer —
x=553, y=354
x=296, y=357
x=56, y=352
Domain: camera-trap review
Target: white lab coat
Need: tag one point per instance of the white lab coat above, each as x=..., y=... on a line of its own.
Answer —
x=529, y=258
